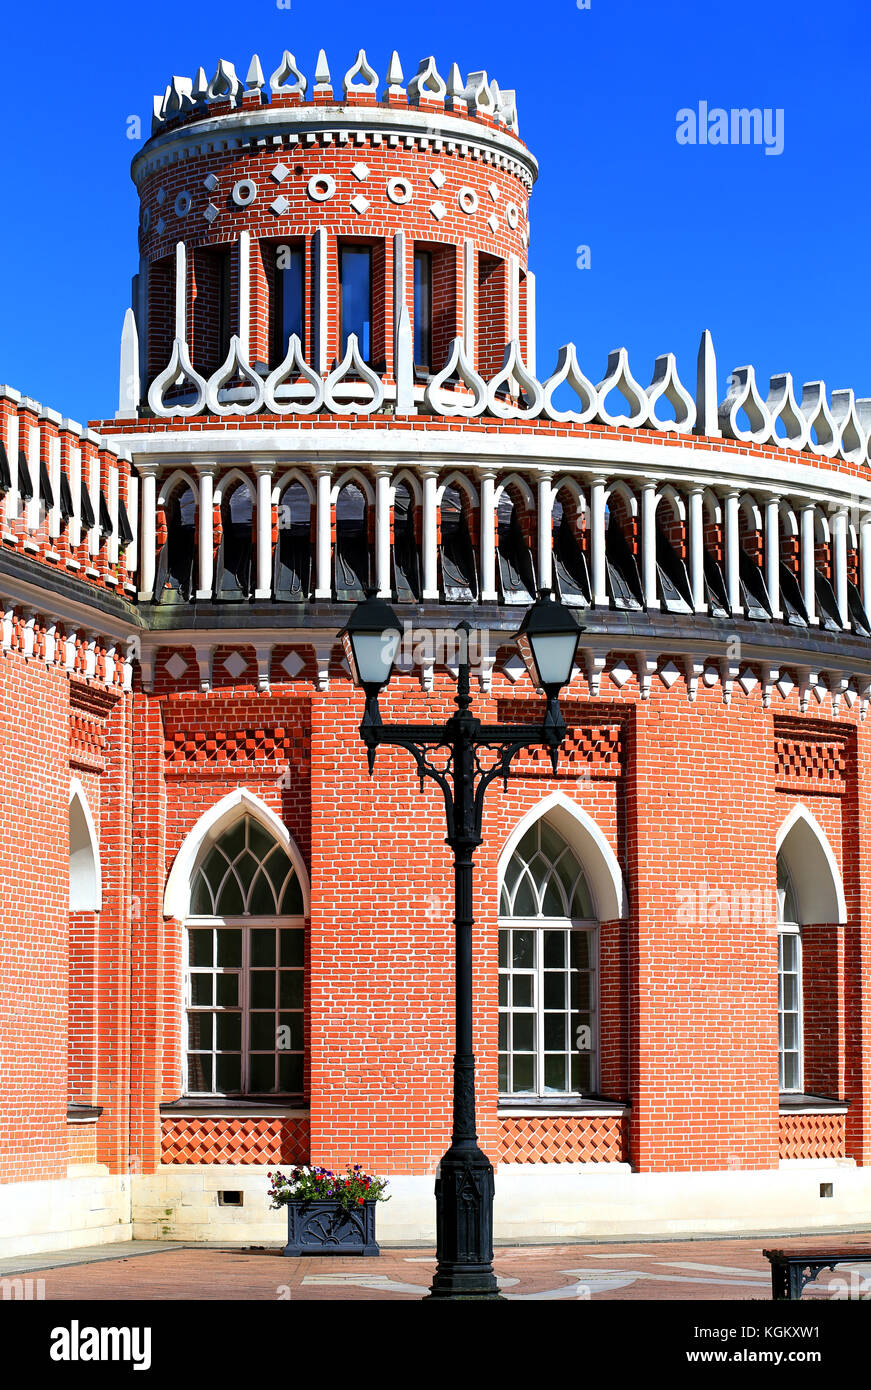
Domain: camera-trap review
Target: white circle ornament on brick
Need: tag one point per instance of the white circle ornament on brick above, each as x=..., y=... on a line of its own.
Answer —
x=321, y=188
x=468, y=200
x=244, y=192
x=400, y=191
x=512, y=216
x=183, y=204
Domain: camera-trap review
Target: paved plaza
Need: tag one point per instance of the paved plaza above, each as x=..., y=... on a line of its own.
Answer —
x=673, y=1271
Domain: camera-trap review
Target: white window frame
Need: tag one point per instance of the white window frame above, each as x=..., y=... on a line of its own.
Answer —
x=247, y=924
x=794, y=930
x=539, y=925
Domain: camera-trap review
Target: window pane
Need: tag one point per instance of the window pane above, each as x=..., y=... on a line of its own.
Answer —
x=554, y=990
x=232, y=842
x=552, y=842
x=503, y=1031
x=790, y=992
x=555, y=1032
x=524, y=1073
x=579, y=949
x=230, y=902
x=200, y=947
x=291, y=902
x=262, y=900
x=521, y=989
x=525, y=901
x=200, y=1031
x=263, y=1032
x=228, y=991
x=263, y=989
x=201, y=989
x=553, y=905
x=524, y=1032
x=293, y=1040
x=262, y=1072
x=229, y=948
x=503, y=948
x=503, y=991
x=355, y=273
x=263, y=946
x=522, y=943
x=555, y=1073
x=582, y=1072
x=581, y=991
x=289, y=278
x=554, y=948
x=229, y=1032
x=423, y=309
x=790, y=1072
x=290, y=1074
x=199, y=1072
x=228, y=1072
x=201, y=898
x=290, y=989
x=582, y=903
x=503, y=1072
x=292, y=947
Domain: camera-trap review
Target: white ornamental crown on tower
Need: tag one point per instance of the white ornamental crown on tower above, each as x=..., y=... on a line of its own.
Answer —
x=476, y=95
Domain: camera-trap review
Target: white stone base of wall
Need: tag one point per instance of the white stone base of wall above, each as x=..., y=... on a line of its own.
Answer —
x=88, y=1207
x=534, y=1202
x=540, y=1203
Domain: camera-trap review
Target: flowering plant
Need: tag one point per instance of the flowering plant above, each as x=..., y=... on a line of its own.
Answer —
x=352, y=1188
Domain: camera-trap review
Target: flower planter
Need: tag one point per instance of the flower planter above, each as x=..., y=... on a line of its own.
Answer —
x=321, y=1226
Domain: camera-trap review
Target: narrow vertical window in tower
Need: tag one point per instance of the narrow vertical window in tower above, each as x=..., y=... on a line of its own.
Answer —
x=789, y=984
x=288, y=297
x=355, y=299
x=423, y=311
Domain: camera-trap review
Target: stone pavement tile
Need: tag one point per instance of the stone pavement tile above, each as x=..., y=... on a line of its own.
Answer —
x=668, y=1270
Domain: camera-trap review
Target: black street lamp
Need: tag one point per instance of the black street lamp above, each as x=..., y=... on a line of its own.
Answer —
x=473, y=755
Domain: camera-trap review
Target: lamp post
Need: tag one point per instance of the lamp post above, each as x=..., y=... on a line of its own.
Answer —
x=472, y=755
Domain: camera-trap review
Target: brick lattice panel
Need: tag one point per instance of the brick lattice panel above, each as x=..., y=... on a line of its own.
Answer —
x=211, y=1140
x=812, y=1136
x=589, y=750
x=234, y=746
x=815, y=761
x=563, y=1139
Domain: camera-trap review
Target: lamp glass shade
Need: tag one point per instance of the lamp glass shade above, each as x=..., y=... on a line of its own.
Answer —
x=551, y=656
x=548, y=642
x=371, y=656
x=371, y=641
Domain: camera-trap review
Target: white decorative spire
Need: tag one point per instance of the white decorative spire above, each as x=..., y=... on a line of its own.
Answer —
x=707, y=419
x=255, y=81
x=456, y=88
x=323, y=81
x=479, y=97
x=225, y=83
x=394, y=86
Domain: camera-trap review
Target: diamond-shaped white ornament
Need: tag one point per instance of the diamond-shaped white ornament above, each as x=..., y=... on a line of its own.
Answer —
x=160, y=226
x=161, y=197
x=514, y=668
x=437, y=178
x=747, y=680
x=668, y=674
x=493, y=191
x=210, y=183
x=493, y=222
x=360, y=171
x=280, y=173
x=360, y=204
x=235, y=664
x=210, y=213
x=176, y=666
x=293, y=664
x=280, y=205
x=438, y=210
x=785, y=685
x=620, y=674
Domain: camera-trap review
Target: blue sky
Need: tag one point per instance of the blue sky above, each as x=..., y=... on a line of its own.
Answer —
x=769, y=252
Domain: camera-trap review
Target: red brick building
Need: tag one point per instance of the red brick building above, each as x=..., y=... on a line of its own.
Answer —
x=222, y=946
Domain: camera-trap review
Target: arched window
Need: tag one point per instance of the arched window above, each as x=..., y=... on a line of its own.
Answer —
x=245, y=962
x=789, y=983
x=548, y=976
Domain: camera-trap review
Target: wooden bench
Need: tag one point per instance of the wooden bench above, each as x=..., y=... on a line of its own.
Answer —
x=792, y=1269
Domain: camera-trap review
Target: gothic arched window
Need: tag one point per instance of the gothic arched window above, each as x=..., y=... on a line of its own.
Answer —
x=548, y=971
x=245, y=965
